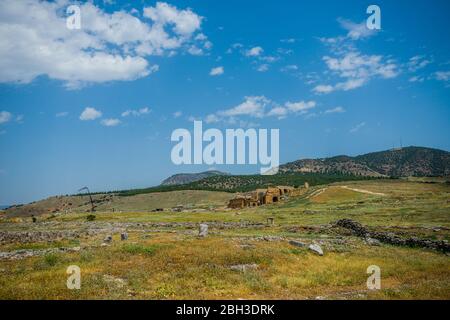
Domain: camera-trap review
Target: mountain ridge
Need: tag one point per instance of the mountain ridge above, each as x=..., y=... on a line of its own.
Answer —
x=399, y=162
x=185, y=178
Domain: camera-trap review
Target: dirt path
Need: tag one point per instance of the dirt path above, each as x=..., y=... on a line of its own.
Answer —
x=316, y=193
x=364, y=191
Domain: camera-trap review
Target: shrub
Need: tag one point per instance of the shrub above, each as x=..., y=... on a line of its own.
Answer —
x=51, y=259
x=139, y=249
x=90, y=217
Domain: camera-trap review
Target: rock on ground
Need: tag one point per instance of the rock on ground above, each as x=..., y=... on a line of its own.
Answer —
x=203, y=231
x=244, y=267
x=297, y=243
x=316, y=248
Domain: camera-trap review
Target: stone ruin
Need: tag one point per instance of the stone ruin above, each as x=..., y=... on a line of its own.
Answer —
x=265, y=196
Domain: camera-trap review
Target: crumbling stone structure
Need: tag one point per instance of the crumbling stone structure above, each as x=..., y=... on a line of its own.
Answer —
x=264, y=196
x=391, y=238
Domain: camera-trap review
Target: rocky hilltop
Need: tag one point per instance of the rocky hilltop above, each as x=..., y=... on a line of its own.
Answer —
x=400, y=162
x=185, y=178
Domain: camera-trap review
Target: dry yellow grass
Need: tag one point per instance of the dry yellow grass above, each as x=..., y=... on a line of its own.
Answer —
x=172, y=263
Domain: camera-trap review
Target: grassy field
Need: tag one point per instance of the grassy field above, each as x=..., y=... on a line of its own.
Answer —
x=165, y=259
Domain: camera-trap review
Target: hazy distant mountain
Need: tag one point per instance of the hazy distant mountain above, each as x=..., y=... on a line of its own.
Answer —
x=401, y=162
x=185, y=178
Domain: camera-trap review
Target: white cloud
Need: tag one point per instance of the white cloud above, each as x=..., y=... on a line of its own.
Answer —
x=301, y=106
x=416, y=79
x=252, y=106
x=289, y=40
x=335, y=110
x=61, y=114
x=5, y=116
x=255, y=107
x=263, y=68
x=357, y=70
x=442, y=75
x=212, y=118
x=254, y=52
x=90, y=114
x=357, y=127
x=110, y=122
x=356, y=31
x=195, y=51
x=417, y=63
x=177, y=114
x=186, y=22
x=279, y=112
x=108, y=47
x=291, y=67
x=136, y=113
x=216, y=71
x=321, y=88
x=269, y=59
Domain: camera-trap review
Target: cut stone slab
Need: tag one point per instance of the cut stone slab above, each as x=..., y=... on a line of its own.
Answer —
x=316, y=248
x=297, y=243
x=203, y=230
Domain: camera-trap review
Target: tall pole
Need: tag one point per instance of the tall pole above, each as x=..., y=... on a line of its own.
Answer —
x=90, y=197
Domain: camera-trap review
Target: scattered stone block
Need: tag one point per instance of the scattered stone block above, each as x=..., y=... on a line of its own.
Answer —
x=297, y=243
x=316, y=248
x=108, y=239
x=124, y=236
x=203, y=230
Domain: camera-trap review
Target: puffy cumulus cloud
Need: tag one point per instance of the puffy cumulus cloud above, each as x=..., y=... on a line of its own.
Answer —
x=216, y=71
x=279, y=112
x=323, y=88
x=90, y=114
x=108, y=47
x=136, y=113
x=356, y=70
x=254, y=52
x=5, y=116
x=300, y=107
x=110, y=122
x=259, y=107
x=252, y=106
x=185, y=22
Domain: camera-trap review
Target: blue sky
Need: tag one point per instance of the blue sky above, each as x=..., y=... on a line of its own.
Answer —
x=97, y=106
